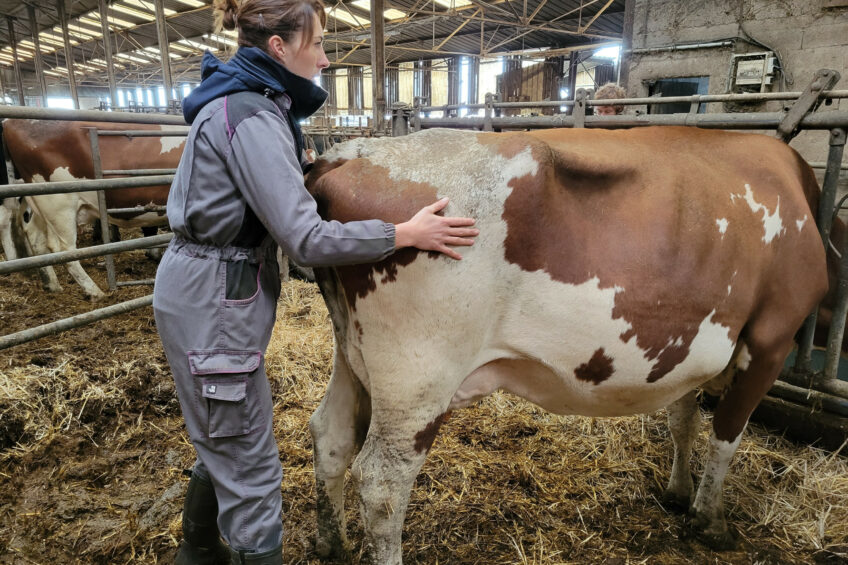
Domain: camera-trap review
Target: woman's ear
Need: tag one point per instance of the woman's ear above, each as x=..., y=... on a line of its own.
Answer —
x=277, y=48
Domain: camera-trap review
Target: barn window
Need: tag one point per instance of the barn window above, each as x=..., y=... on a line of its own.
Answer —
x=683, y=86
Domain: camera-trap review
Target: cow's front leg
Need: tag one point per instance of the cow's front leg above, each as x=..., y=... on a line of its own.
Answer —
x=396, y=446
x=683, y=421
x=338, y=427
x=62, y=236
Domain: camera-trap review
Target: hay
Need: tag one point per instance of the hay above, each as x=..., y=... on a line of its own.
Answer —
x=95, y=446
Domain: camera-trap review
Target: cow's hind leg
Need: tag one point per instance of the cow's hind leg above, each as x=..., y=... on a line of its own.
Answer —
x=398, y=440
x=338, y=427
x=683, y=421
x=754, y=377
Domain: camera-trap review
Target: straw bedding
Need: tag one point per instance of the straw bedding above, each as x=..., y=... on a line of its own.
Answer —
x=92, y=454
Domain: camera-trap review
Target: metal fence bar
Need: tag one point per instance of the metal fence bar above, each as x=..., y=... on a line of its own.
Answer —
x=63, y=187
x=143, y=133
x=101, y=205
x=696, y=98
x=140, y=282
x=764, y=120
x=837, y=322
x=139, y=172
x=47, y=259
x=137, y=209
x=33, y=113
x=52, y=328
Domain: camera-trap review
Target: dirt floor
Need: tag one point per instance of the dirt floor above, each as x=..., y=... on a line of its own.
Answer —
x=92, y=454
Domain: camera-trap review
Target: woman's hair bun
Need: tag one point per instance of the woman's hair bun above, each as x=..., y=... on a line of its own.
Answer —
x=226, y=14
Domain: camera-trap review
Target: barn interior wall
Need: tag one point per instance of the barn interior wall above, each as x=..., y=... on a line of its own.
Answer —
x=805, y=34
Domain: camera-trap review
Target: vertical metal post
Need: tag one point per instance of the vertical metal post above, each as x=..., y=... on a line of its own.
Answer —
x=488, y=112
x=416, y=114
x=378, y=64
x=837, y=322
x=579, y=111
x=69, y=54
x=101, y=202
x=107, y=51
x=2, y=84
x=400, y=119
x=39, y=63
x=13, y=42
x=825, y=221
x=162, y=34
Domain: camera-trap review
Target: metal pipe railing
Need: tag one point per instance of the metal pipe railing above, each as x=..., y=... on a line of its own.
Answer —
x=64, y=187
x=27, y=263
x=745, y=121
x=33, y=113
x=700, y=98
x=52, y=328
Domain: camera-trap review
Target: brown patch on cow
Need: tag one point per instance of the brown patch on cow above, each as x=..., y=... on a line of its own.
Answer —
x=66, y=144
x=597, y=370
x=596, y=208
x=360, y=190
x=425, y=438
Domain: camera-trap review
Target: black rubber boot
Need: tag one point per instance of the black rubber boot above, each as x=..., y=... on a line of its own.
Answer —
x=202, y=544
x=272, y=557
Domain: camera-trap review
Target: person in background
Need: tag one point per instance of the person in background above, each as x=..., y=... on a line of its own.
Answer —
x=609, y=91
x=237, y=194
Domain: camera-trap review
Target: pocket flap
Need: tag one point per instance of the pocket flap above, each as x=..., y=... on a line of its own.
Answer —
x=228, y=391
x=216, y=362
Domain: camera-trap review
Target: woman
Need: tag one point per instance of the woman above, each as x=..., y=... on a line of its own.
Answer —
x=238, y=192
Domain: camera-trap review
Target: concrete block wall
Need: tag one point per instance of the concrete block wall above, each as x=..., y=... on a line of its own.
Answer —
x=806, y=36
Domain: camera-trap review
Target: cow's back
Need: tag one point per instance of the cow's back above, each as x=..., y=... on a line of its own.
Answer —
x=59, y=150
x=620, y=257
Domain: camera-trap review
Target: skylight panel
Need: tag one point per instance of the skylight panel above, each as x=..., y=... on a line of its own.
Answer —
x=133, y=12
x=342, y=15
x=452, y=3
x=193, y=3
x=148, y=6
x=390, y=14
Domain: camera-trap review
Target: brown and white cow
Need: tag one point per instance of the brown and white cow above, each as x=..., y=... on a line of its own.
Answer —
x=615, y=273
x=49, y=150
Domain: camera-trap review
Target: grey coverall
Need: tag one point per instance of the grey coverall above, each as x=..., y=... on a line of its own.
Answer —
x=216, y=289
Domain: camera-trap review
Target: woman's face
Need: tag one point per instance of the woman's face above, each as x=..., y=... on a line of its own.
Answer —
x=305, y=59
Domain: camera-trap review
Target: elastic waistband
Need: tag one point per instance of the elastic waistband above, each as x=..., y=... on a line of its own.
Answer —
x=190, y=248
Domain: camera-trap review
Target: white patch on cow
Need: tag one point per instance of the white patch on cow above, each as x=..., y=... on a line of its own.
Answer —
x=772, y=223
x=743, y=358
x=800, y=223
x=546, y=329
x=728, y=290
x=722, y=226
x=708, y=501
x=171, y=142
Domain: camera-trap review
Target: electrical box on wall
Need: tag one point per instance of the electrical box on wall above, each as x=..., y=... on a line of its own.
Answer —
x=753, y=72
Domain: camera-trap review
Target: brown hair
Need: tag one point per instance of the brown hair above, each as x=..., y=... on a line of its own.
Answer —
x=611, y=91
x=256, y=21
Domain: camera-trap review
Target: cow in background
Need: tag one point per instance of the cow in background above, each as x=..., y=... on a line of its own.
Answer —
x=48, y=150
x=616, y=272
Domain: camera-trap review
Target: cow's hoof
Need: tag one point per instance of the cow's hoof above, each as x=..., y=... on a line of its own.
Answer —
x=96, y=297
x=332, y=549
x=52, y=288
x=716, y=536
x=676, y=502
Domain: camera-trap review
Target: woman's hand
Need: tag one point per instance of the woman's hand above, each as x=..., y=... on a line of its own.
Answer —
x=430, y=232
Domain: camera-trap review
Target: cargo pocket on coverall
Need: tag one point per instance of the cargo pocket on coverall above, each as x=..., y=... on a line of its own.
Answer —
x=227, y=390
